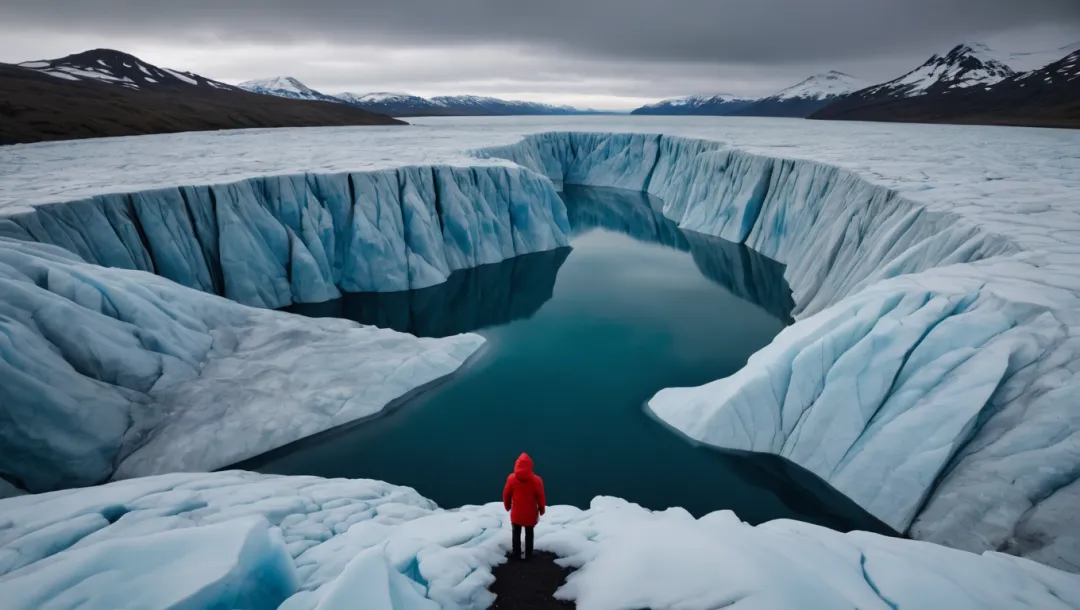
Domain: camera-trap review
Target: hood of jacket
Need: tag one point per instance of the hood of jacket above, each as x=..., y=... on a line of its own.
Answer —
x=523, y=468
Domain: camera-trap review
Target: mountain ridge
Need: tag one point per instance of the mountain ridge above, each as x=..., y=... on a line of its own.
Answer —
x=1046, y=97
x=799, y=100
x=408, y=105
x=103, y=93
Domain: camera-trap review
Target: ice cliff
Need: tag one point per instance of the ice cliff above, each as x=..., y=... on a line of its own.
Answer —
x=241, y=540
x=929, y=375
x=116, y=373
x=110, y=372
x=275, y=240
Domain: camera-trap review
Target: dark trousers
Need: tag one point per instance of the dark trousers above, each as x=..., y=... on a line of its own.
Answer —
x=517, y=540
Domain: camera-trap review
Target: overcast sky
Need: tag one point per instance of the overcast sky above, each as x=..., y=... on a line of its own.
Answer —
x=612, y=54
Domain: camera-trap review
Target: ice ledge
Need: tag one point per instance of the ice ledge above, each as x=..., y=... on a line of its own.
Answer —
x=236, y=539
x=929, y=375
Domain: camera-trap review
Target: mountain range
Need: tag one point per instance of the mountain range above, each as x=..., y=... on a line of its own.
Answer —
x=971, y=83
x=102, y=92
x=407, y=105
x=800, y=100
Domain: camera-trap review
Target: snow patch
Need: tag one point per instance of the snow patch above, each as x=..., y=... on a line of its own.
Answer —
x=183, y=77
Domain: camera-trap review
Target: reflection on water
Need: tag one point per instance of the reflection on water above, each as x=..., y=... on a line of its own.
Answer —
x=471, y=299
x=747, y=274
x=578, y=341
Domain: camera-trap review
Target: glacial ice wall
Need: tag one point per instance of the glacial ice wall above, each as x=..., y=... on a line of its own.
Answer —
x=113, y=373
x=930, y=371
x=742, y=271
x=275, y=240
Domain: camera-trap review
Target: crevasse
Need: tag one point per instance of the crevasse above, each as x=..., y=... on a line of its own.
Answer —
x=929, y=376
x=929, y=373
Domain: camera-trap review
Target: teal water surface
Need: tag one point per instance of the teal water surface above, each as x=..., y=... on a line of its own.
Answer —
x=577, y=341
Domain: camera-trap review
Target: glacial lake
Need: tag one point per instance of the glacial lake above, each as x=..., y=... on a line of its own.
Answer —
x=578, y=339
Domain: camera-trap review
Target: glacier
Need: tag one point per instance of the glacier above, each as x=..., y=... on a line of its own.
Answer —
x=113, y=372
x=243, y=540
x=927, y=375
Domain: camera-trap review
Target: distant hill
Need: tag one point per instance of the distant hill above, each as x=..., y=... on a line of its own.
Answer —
x=123, y=70
x=719, y=104
x=800, y=100
x=972, y=84
x=395, y=104
x=108, y=93
x=286, y=86
x=406, y=105
x=474, y=105
x=805, y=98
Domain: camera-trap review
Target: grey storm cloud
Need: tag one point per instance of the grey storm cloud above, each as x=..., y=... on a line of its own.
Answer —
x=734, y=31
x=611, y=53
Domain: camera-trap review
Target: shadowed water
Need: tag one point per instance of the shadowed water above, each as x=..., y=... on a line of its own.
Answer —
x=578, y=341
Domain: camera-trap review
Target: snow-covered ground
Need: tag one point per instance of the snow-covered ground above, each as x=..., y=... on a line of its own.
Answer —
x=930, y=374
x=241, y=540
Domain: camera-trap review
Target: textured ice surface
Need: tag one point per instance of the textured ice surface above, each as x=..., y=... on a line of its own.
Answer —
x=242, y=540
x=930, y=375
x=115, y=373
x=274, y=240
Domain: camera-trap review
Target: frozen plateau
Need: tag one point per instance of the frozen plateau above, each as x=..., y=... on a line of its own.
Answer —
x=930, y=374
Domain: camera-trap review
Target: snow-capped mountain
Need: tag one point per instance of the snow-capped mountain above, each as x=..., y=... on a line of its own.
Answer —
x=102, y=93
x=393, y=104
x=479, y=105
x=966, y=65
x=1063, y=72
x=286, y=86
x=121, y=69
x=1047, y=97
x=797, y=101
x=805, y=98
x=406, y=105
x=719, y=104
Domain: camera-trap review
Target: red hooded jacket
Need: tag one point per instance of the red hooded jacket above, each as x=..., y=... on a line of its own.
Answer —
x=523, y=495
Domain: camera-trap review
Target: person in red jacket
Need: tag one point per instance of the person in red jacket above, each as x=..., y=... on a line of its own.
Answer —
x=523, y=496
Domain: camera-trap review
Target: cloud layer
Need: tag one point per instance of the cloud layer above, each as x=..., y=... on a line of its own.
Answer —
x=582, y=49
